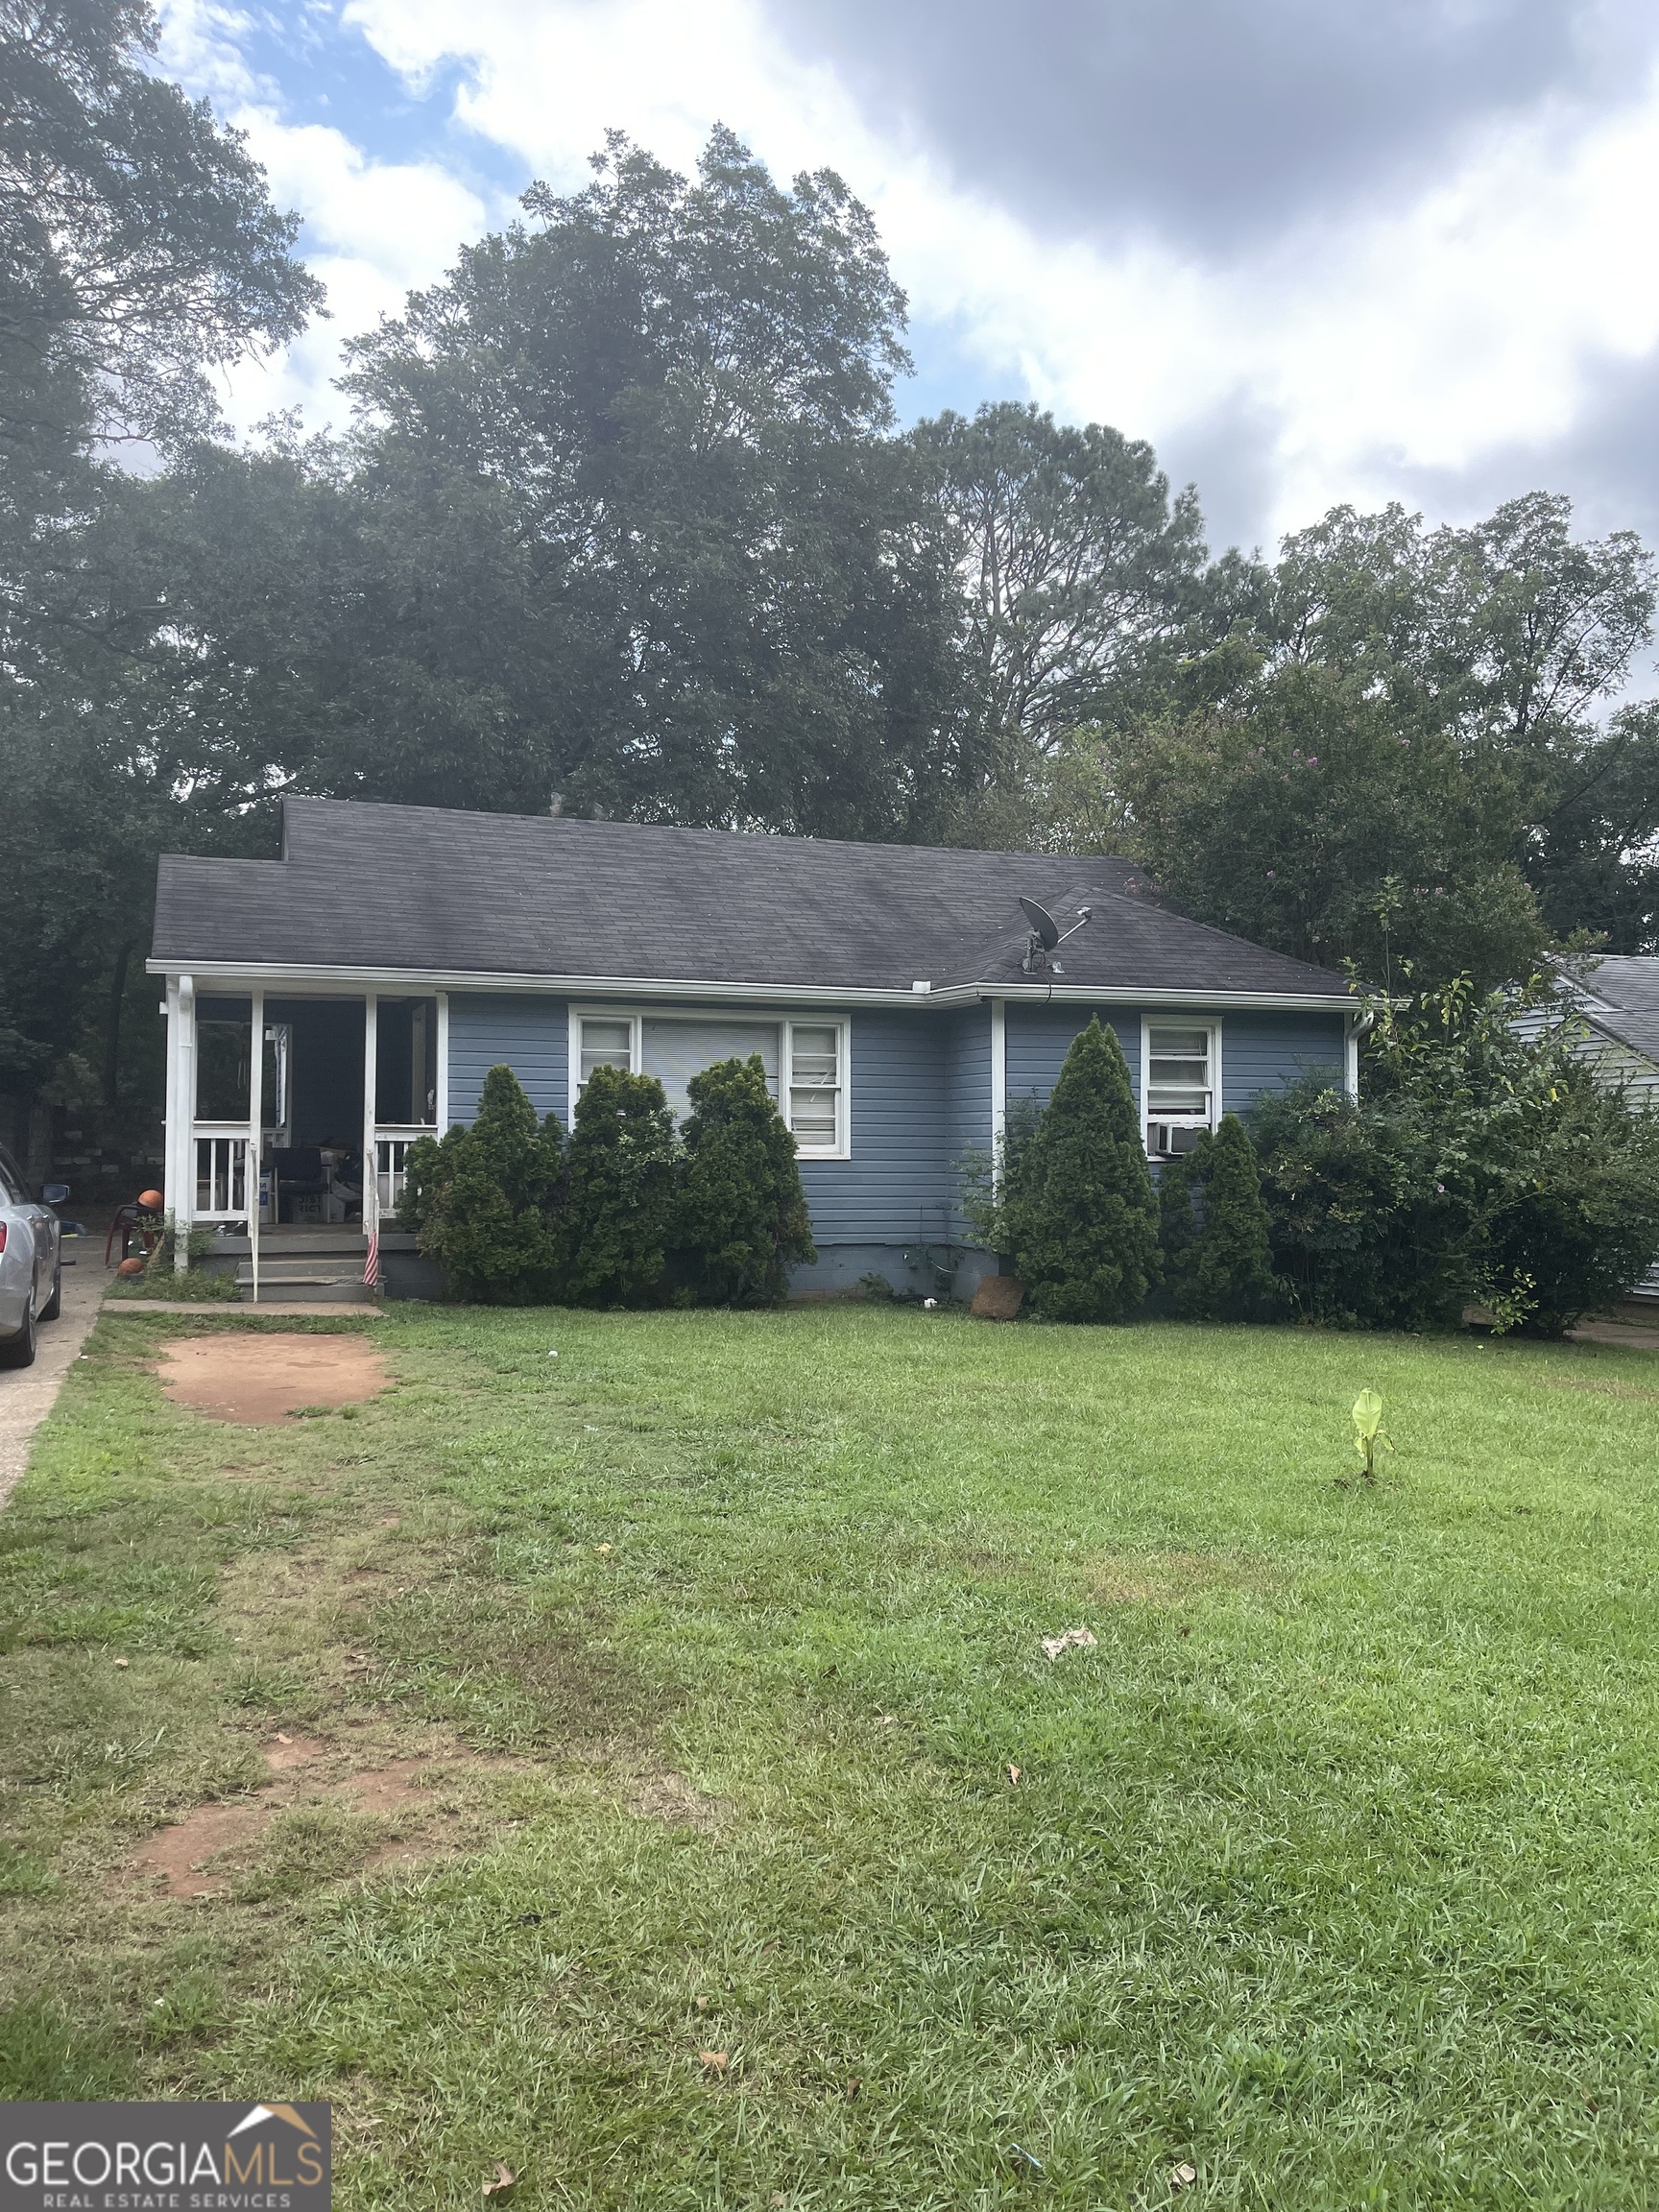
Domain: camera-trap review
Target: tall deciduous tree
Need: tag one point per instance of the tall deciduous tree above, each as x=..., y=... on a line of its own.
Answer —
x=1078, y=575
x=1407, y=751
x=138, y=249
x=629, y=523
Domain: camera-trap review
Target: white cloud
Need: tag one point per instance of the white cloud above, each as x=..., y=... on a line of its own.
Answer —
x=1419, y=337
x=373, y=229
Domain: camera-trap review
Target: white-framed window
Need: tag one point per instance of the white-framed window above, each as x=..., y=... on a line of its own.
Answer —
x=605, y=1040
x=1180, y=1082
x=805, y=1061
x=815, y=1109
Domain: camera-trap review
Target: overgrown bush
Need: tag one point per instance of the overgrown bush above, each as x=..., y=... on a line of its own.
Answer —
x=1218, y=1260
x=620, y=1190
x=740, y=1219
x=1078, y=1213
x=482, y=1200
x=1481, y=1165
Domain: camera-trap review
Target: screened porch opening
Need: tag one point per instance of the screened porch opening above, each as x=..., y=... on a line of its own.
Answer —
x=311, y=1163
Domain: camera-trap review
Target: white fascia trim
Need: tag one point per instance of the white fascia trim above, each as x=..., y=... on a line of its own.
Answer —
x=240, y=977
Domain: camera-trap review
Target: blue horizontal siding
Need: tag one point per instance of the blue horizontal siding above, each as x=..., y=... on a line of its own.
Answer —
x=530, y=1035
x=899, y=1184
x=1040, y=1037
x=1269, y=1051
x=967, y=1100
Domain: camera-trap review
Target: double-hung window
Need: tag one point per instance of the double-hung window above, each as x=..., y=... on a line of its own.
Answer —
x=804, y=1062
x=816, y=1086
x=1181, y=1062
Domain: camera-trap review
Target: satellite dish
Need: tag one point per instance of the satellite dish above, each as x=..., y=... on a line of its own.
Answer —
x=1043, y=926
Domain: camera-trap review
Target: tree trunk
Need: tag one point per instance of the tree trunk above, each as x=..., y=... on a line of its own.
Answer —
x=112, y=1023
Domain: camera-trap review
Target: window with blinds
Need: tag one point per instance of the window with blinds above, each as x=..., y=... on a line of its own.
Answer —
x=815, y=1086
x=1180, y=1084
x=606, y=1044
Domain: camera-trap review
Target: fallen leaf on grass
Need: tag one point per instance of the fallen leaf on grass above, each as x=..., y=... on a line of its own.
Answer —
x=282, y=1739
x=603, y=1550
x=505, y=2177
x=853, y=2089
x=1055, y=1644
x=713, y=2061
x=1182, y=2176
x=120, y=1662
x=1013, y=1774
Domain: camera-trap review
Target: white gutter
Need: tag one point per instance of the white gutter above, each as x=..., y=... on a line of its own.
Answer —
x=220, y=977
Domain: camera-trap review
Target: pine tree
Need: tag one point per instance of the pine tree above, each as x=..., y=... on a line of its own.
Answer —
x=741, y=1218
x=1083, y=1220
x=1226, y=1273
x=481, y=1198
x=619, y=1202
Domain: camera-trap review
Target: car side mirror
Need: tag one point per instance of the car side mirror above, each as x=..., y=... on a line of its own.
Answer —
x=54, y=1194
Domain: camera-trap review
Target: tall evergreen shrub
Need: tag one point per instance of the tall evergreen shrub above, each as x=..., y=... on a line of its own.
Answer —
x=1082, y=1219
x=482, y=1199
x=620, y=1193
x=1219, y=1264
x=741, y=1218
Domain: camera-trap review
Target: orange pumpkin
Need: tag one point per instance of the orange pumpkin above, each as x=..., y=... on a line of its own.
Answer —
x=151, y=1201
x=132, y=1266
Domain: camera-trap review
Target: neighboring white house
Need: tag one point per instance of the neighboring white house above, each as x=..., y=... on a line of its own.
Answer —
x=1618, y=999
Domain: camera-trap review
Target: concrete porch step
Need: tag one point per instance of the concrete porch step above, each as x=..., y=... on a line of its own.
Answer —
x=305, y=1289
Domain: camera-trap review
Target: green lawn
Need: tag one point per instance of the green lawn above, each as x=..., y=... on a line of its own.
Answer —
x=1333, y=1868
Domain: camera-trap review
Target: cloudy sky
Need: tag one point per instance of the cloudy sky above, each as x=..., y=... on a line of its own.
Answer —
x=1313, y=250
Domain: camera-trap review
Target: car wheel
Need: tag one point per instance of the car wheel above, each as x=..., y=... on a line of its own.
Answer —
x=19, y=1350
x=54, y=1305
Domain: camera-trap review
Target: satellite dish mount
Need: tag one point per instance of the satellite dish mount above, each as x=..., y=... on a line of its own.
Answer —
x=1044, y=937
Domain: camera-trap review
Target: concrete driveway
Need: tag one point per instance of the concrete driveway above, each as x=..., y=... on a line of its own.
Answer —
x=26, y=1393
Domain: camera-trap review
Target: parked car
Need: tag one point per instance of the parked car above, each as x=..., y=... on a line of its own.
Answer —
x=30, y=1262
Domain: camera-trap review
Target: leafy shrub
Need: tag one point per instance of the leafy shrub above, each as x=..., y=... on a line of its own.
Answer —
x=620, y=1190
x=741, y=1218
x=481, y=1199
x=1220, y=1263
x=1482, y=1164
x=1079, y=1212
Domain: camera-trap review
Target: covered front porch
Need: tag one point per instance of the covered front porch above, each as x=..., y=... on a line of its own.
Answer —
x=289, y=1122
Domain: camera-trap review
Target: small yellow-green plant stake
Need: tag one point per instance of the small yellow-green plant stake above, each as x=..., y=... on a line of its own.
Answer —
x=1368, y=1431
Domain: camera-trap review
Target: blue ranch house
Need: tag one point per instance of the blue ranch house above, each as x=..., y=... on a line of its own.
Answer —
x=899, y=996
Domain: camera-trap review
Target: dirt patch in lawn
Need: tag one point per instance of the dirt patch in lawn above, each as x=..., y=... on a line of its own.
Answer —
x=1168, y=1578
x=371, y=1815
x=669, y=1797
x=263, y=1380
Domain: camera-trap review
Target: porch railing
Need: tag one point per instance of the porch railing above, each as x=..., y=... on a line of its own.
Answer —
x=391, y=1145
x=221, y=1181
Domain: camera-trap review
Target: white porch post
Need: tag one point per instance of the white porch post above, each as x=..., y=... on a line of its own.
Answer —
x=170, y=1172
x=441, y=1114
x=1351, y=1061
x=255, y=1133
x=183, y=1195
x=999, y=1086
x=371, y=1060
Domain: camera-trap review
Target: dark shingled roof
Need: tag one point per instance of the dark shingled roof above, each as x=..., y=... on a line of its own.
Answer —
x=1626, y=986
x=440, y=891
